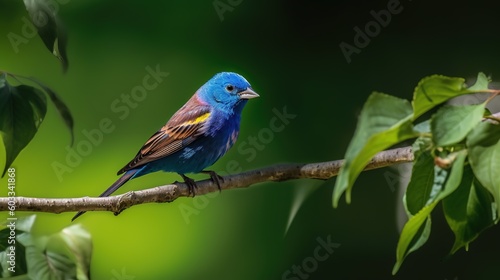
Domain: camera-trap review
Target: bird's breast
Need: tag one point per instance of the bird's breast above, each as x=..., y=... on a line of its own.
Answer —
x=224, y=138
x=227, y=142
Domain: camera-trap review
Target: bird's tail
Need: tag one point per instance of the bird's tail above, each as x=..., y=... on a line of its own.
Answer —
x=116, y=185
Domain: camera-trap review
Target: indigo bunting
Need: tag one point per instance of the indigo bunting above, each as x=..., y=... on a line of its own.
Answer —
x=196, y=136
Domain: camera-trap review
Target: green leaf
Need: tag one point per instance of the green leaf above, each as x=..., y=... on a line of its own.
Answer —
x=49, y=27
x=445, y=182
x=422, y=145
x=434, y=90
x=481, y=83
x=22, y=110
x=20, y=253
x=423, y=127
x=47, y=265
x=468, y=210
x=451, y=124
x=455, y=175
x=385, y=120
x=64, y=255
x=60, y=106
x=79, y=244
x=421, y=183
x=429, y=183
x=409, y=235
x=484, y=156
x=22, y=225
x=25, y=224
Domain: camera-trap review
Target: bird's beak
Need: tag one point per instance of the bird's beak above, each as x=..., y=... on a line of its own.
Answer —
x=248, y=94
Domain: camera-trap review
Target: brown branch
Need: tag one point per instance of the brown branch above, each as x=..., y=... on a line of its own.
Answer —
x=494, y=118
x=168, y=193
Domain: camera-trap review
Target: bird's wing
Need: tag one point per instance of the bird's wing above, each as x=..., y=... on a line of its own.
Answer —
x=181, y=130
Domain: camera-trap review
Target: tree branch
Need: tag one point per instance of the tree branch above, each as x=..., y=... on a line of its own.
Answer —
x=169, y=193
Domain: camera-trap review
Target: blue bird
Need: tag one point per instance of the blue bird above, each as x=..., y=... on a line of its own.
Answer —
x=196, y=136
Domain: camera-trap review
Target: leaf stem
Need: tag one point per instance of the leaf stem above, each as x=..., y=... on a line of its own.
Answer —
x=493, y=95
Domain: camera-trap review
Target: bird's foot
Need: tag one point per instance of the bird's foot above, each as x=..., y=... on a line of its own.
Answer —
x=191, y=184
x=216, y=178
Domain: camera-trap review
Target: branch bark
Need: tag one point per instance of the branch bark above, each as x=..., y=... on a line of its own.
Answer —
x=169, y=193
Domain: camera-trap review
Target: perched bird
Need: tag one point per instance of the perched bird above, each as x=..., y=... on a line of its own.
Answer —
x=196, y=136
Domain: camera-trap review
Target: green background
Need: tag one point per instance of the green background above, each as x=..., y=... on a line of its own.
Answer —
x=289, y=51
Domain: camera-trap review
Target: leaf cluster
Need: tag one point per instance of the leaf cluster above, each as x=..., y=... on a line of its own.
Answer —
x=22, y=111
x=63, y=255
x=456, y=152
x=23, y=106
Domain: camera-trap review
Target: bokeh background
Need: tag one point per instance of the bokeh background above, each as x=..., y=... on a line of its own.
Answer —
x=289, y=51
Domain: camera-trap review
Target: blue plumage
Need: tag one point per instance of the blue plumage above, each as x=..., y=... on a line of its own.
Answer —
x=196, y=136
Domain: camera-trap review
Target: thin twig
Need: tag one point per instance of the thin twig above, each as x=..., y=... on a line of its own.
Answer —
x=168, y=193
x=493, y=118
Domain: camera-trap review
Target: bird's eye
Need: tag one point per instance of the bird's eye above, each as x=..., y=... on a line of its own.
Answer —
x=229, y=88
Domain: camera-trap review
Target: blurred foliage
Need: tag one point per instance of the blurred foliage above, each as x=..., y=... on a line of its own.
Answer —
x=63, y=255
x=43, y=16
x=289, y=51
x=22, y=111
x=23, y=107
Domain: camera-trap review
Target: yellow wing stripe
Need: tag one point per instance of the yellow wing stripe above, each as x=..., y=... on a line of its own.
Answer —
x=198, y=119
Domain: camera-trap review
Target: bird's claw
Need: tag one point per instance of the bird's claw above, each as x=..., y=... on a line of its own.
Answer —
x=191, y=184
x=216, y=178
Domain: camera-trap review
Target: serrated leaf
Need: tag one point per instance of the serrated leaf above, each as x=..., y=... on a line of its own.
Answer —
x=468, y=210
x=385, y=120
x=484, y=156
x=421, y=183
x=414, y=233
x=49, y=27
x=409, y=235
x=451, y=124
x=481, y=83
x=22, y=110
x=434, y=90
x=431, y=183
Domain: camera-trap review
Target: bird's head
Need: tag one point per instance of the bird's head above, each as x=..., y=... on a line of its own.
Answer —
x=227, y=91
